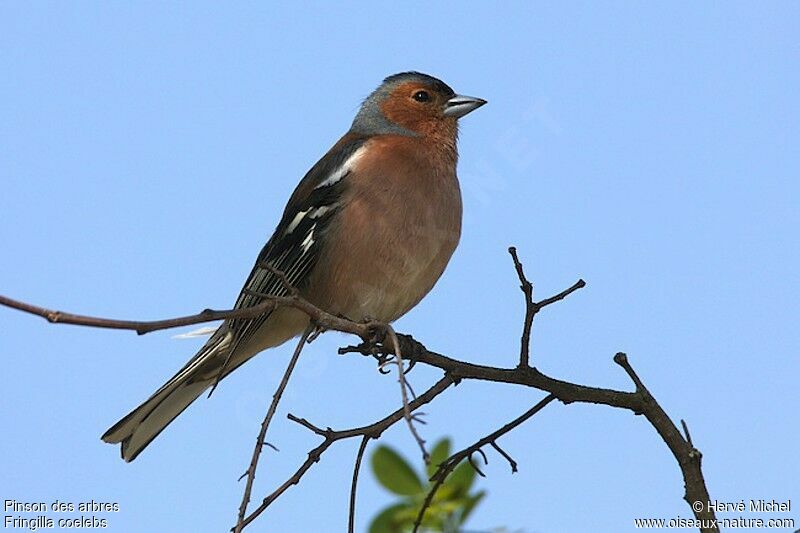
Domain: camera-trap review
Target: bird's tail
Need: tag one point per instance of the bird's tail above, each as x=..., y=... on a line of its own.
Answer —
x=139, y=427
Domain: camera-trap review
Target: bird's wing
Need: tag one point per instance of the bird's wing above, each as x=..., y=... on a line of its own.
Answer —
x=295, y=246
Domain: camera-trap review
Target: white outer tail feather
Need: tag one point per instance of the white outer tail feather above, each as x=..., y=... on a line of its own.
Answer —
x=201, y=332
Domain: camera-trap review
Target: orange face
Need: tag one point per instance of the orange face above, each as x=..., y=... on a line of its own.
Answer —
x=420, y=108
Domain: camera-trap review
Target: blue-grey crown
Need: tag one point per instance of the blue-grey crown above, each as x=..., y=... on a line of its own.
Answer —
x=404, y=77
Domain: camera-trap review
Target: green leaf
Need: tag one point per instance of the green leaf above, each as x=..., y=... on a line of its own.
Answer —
x=408, y=516
x=394, y=473
x=387, y=521
x=450, y=507
x=434, y=518
x=451, y=525
x=461, y=479
x=440, y=452
x=471, y=503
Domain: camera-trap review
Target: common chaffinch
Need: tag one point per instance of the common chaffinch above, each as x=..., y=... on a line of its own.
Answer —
x=366, y=234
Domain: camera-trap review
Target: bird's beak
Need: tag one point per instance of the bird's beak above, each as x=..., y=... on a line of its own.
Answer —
x=460, y=105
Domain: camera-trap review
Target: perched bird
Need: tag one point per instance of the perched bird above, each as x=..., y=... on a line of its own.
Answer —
x=365, y=235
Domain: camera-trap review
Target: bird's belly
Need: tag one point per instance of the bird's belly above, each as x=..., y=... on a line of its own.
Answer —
x=384, y=274
x=378, y=299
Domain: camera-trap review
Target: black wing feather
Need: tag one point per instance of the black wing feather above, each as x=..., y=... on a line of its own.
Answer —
x=295, y=250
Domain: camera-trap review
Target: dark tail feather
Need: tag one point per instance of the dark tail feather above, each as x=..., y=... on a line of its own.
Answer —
x=139, y=427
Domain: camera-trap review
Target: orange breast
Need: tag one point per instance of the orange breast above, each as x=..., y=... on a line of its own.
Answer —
x=401, y=222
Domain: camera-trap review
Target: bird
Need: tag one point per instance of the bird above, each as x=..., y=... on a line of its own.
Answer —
x=365, y=235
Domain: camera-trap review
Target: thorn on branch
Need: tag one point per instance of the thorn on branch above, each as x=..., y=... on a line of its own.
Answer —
x=525, y=285
x=511, y=462
x=483, y=454
x=622, y=360
x=686, y=432
x=560, y=296
x=694, y=453
x=472, y=462
x=410, y=389
x=418, y=418
x=308, y=425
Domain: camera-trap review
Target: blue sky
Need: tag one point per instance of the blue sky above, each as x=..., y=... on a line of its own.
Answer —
x=146, y=153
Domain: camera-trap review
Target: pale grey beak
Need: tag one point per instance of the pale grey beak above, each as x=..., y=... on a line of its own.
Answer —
x=460, y=105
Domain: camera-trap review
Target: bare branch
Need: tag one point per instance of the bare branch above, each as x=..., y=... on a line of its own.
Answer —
x=372, y=431
x=511, y=462
x=561, y=295
x=474, y=466
x=317, y=315
x=639, y=402
x=276, y=398
x=401, y=378
x=449, y=464
x=429, y=497
x=405, y=348
x=688, y=457
x=140, y=327
x=530, y=310
x=308, y=425
x=352, y=516
x=530, y=377
x=531, y=307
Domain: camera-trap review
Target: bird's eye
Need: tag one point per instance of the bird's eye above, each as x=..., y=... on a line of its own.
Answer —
x=422, y=96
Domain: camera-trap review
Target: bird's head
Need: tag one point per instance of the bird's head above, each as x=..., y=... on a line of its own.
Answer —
x=412, y=103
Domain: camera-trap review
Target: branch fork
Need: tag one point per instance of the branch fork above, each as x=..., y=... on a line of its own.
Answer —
x=401, y=348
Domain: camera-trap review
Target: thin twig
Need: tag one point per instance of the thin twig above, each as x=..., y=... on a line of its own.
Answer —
x=686, y=432
x=531, y=307
x=352, y=516
x=622, y=360
x=429, y=498
x=318, y=316
x=474, y=466
x=449, y=464
x=139, y=326
x=640, y=401
x=511, y=462
x=560, y=296
x=276, y=398
x=530, y=310
x=565, y=391
x=373, y=430
x=401, y=378
x=308, y=425
x=688, y=457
